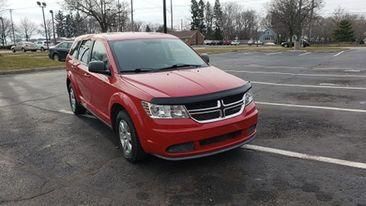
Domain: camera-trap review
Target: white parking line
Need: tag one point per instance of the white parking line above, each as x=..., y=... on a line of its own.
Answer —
x=270, y=54
x=308, y=86
x=295, y=74
x=298, y=155
x=339, y=53
x=65, y=111
x=304, y=54
x=312, y=107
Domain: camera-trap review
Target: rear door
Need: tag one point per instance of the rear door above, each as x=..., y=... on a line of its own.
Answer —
x=82, y=71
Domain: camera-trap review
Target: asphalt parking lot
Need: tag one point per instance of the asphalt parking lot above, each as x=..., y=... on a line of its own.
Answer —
x=312, y=107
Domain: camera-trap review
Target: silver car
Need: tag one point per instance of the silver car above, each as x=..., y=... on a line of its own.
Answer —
x=24, y=46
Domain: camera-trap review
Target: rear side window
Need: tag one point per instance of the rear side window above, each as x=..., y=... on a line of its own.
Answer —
x=74, y=51
x=99, y=53
x=84, y=51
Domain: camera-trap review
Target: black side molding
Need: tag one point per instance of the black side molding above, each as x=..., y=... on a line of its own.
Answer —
x=200, y=98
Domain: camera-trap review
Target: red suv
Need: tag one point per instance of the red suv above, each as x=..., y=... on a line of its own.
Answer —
x=159, y=96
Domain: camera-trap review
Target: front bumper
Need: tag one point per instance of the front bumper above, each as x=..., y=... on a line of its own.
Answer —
x=207, y=139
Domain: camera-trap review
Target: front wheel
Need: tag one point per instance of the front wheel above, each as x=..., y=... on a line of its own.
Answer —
x=76, y=107
x=128, y=140
x=56, y=57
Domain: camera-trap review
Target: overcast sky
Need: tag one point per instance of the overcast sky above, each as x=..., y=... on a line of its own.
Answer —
x=151, y=10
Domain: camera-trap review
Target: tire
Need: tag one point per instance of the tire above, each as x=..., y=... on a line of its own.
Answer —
x=56, y=57
x=14, y=50
x=42, y=49
x=24, y=50
x=127, y=137
x=75, y=106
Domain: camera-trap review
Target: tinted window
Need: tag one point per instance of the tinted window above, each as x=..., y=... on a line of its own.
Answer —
x=99, y=52
x=154, y=54
x=84, y=51
x=75, y=49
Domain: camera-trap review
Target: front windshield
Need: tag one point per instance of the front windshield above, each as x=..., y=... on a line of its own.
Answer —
x=154, y=55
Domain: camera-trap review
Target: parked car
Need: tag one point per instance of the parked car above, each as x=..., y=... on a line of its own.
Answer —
x=24, y=47
x=42, y=45
x=207, y=42
x=159, y=96
x=269, y=44
x=60, y=51
x=251, y=42
x=304, y=43
x=226, y=42
x=235, y=42
x=259, y=43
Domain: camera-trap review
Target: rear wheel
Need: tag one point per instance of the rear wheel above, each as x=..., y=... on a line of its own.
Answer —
x=24, y=50
x=128, y=140
x=14, y=50
x=76, y=107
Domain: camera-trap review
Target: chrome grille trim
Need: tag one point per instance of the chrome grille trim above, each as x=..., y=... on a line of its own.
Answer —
x=222, y=108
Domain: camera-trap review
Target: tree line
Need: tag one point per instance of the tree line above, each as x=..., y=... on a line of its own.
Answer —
x=292, y=20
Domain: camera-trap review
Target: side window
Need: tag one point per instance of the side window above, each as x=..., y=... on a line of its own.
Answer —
x=84, y=51
x=99, y=53
x=75, y=50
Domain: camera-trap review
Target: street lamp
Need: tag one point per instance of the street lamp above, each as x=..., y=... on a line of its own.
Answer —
x=53, y=28
x=43, y=5
x=2, y=31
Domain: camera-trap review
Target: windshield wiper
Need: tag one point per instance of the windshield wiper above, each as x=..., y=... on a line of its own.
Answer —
x=176, y=66
x=139, y=70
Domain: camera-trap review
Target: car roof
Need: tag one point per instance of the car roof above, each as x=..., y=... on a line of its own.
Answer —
x=127, y=36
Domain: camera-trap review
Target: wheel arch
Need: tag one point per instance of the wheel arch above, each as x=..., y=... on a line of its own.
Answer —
x=121, y=101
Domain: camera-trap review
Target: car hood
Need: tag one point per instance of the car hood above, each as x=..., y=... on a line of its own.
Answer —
x=184, y=82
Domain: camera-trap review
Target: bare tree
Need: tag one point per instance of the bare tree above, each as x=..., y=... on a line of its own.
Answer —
x=239, y=22
x=103, y=11
x=294, y=15
x=26, y=28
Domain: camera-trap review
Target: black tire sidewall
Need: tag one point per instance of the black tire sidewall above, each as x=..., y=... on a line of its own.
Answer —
x=137, y=152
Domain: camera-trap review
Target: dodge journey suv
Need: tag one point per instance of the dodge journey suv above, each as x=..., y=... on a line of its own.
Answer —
x=159, y=96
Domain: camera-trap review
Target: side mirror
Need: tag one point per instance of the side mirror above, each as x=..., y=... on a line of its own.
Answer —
x=98, y=67
x=205, y=57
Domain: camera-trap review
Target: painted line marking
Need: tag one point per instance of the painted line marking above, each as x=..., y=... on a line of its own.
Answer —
x=304, y=54
x=339, y=53
x=312, y=107
x=327, y=84
x=65, y=111
x=294, y=74
x=303, y=156
x=270, y=54
x=308, y=86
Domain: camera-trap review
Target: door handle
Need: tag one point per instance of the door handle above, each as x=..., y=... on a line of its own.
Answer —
x=86, y=75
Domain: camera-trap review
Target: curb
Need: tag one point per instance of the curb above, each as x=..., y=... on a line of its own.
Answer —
x=30, y=70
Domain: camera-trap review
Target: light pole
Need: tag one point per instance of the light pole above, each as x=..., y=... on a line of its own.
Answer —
x=132, y=16
x=164, y=15
x=43, y=5
x=2, y=31
x=53, y=27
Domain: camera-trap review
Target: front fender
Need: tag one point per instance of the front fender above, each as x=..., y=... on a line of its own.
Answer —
x=130, y=106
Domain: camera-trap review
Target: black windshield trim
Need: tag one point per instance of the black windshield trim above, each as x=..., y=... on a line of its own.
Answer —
x=200, y=98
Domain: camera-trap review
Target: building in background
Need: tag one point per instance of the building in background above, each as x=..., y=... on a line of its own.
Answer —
x=268, y=36
x=190, y=37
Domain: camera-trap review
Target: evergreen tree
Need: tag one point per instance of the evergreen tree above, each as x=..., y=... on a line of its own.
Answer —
x=69, y=26
x=208, y=20
x=79, y=25
x=344, y=32
x=60, y=24
x=148, y=29
x=195, y=24
x=218, y=14
x=201, y=17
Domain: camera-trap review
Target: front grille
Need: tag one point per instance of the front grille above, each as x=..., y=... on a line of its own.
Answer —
x=206, y=115
x=217, y=109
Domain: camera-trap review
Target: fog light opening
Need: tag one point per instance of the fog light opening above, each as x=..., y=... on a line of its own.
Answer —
x=186, y=147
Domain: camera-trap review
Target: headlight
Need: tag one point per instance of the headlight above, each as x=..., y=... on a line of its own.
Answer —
x=165, y=111
x=248, y=97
